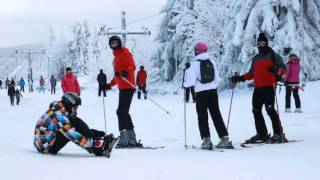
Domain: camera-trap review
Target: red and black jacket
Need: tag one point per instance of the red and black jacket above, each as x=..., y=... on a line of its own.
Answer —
x=260, y=66
x=142, y=78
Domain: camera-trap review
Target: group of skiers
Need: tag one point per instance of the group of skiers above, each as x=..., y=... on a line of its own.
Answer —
x=60, y=123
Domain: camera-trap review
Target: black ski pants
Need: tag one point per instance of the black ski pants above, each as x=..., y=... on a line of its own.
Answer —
x=22, y=89
x=188, y=91
x=143, y=89
x=80, y=127
x=53, y=89
x=265, y=96
x=12, y=99
x=295, y=91
x=124, y=118
x=102, y=89
x=208, y=100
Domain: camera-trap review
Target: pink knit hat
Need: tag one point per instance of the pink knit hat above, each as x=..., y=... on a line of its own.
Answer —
x=200, y=47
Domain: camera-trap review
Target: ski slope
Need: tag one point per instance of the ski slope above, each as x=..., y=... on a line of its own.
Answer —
x=295, y=161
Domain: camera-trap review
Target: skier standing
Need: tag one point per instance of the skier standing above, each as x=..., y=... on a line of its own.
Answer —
x=60, y=124
x=30, y=83
x=189, y=89
x=41, y=82
x=11, y=93
x=124, y=68
x=69, y=82
x=142, y=82
x=266, y=68
x=18, y=95
x=53, y=83
x=7, y=82
x=21, y=84
x=204, y=76
x=292, y=81
x=102, y=80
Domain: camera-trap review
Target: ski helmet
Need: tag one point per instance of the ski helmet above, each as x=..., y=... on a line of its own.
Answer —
x=200, y=47
x=71, y=100
x=115, y=42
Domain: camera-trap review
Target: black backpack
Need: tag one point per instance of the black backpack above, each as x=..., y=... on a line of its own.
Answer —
x=206, y=71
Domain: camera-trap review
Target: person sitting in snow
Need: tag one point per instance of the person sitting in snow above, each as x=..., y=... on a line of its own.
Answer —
x=266, y=68
x=60, y=125
x=206, y=80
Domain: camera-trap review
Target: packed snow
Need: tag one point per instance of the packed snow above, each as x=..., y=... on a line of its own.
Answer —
x=293, y=161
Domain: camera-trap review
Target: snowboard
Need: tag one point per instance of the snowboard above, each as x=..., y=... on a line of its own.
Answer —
x=112, y=145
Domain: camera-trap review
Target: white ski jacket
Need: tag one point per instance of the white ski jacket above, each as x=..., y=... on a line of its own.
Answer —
x=192, y=75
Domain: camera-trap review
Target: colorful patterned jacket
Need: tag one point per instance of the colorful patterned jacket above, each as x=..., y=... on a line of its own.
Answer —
x=53, y=121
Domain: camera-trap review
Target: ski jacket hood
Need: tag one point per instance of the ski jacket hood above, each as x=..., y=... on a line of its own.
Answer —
x=192, y=75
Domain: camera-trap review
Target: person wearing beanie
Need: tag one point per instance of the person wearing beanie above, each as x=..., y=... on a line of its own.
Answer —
x=189, y=89
x=266, y=68
x=102, y=81
x=60, y=125
x=292, y=81
x=142, y=82
x=69, y=82
x=204, y=76
x=124, y=77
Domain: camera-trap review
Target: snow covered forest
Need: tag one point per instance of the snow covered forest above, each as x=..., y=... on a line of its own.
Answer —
x=229, y=26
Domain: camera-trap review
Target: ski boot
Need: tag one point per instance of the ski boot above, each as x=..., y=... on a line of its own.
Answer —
x=124, y=139
x=133, y=140
x=287, y=110
x=224, y=143
x=277, y=139
x=206, y=144
x=258, y=138
x=298, y=110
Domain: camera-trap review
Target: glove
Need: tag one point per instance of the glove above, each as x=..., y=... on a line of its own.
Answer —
x=272, y=69
x=99, y=148
x=236, y=79
x=121, y=74
x=108, y=87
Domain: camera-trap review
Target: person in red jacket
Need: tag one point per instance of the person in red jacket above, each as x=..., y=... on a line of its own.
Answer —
x=266, y=68
x=142, y=82
x=124, y=78
x=69, y=82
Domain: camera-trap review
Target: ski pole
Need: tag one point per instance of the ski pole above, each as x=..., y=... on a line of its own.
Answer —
x=185, y=118
x=234, y=85
x=104, y=115
x=277, y=111
x=154, y=102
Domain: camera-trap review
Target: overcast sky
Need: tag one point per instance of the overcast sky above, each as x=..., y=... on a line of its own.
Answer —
x=28, y=21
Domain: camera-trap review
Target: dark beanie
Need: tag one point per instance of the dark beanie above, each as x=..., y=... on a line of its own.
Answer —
x=68, y=69
x=262, y=38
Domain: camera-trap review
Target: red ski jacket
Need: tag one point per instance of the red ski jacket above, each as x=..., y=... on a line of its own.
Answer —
x=123, y=61
x=259, y=70
x=142, y=78
x=69, y=83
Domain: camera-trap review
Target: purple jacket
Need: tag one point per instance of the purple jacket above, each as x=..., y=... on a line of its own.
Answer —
x=293, y=71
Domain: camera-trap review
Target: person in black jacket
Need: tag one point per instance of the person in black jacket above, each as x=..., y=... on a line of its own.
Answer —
x=102, y=80
x=11, y=93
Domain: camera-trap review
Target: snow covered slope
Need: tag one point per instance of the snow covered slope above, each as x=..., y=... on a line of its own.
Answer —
x=20, y=161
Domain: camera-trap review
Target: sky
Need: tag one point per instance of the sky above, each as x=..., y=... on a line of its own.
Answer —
x=28, y=21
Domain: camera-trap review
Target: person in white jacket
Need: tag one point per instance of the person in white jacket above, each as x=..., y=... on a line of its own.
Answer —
x=203, y=75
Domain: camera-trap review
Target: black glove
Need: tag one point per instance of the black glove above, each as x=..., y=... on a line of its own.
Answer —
x=236, y=79
x=108, y=87
x=121, y=74
x=272, y=69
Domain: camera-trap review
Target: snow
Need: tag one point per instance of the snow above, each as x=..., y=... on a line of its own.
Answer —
x=294, y=161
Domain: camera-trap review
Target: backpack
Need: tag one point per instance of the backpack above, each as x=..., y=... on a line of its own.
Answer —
x=206, y=71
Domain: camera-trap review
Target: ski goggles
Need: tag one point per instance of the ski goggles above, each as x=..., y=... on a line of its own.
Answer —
x=114, y=44
x=261, y=44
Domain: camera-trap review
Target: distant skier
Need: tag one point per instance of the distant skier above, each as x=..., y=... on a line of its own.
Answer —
x=204, y=76
x=267, y=66
x=42, y=83
x=69, y=82
x=0, y=84
x=60, y=124
x=7, y=82
x=142, y=82
x=292, y=81
x=124, y=68
x=53, y=83
x=11, y=93
x=18, y=95
x=189, y=89
x=13, y=83
x=102, y=80
x=22, y=84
